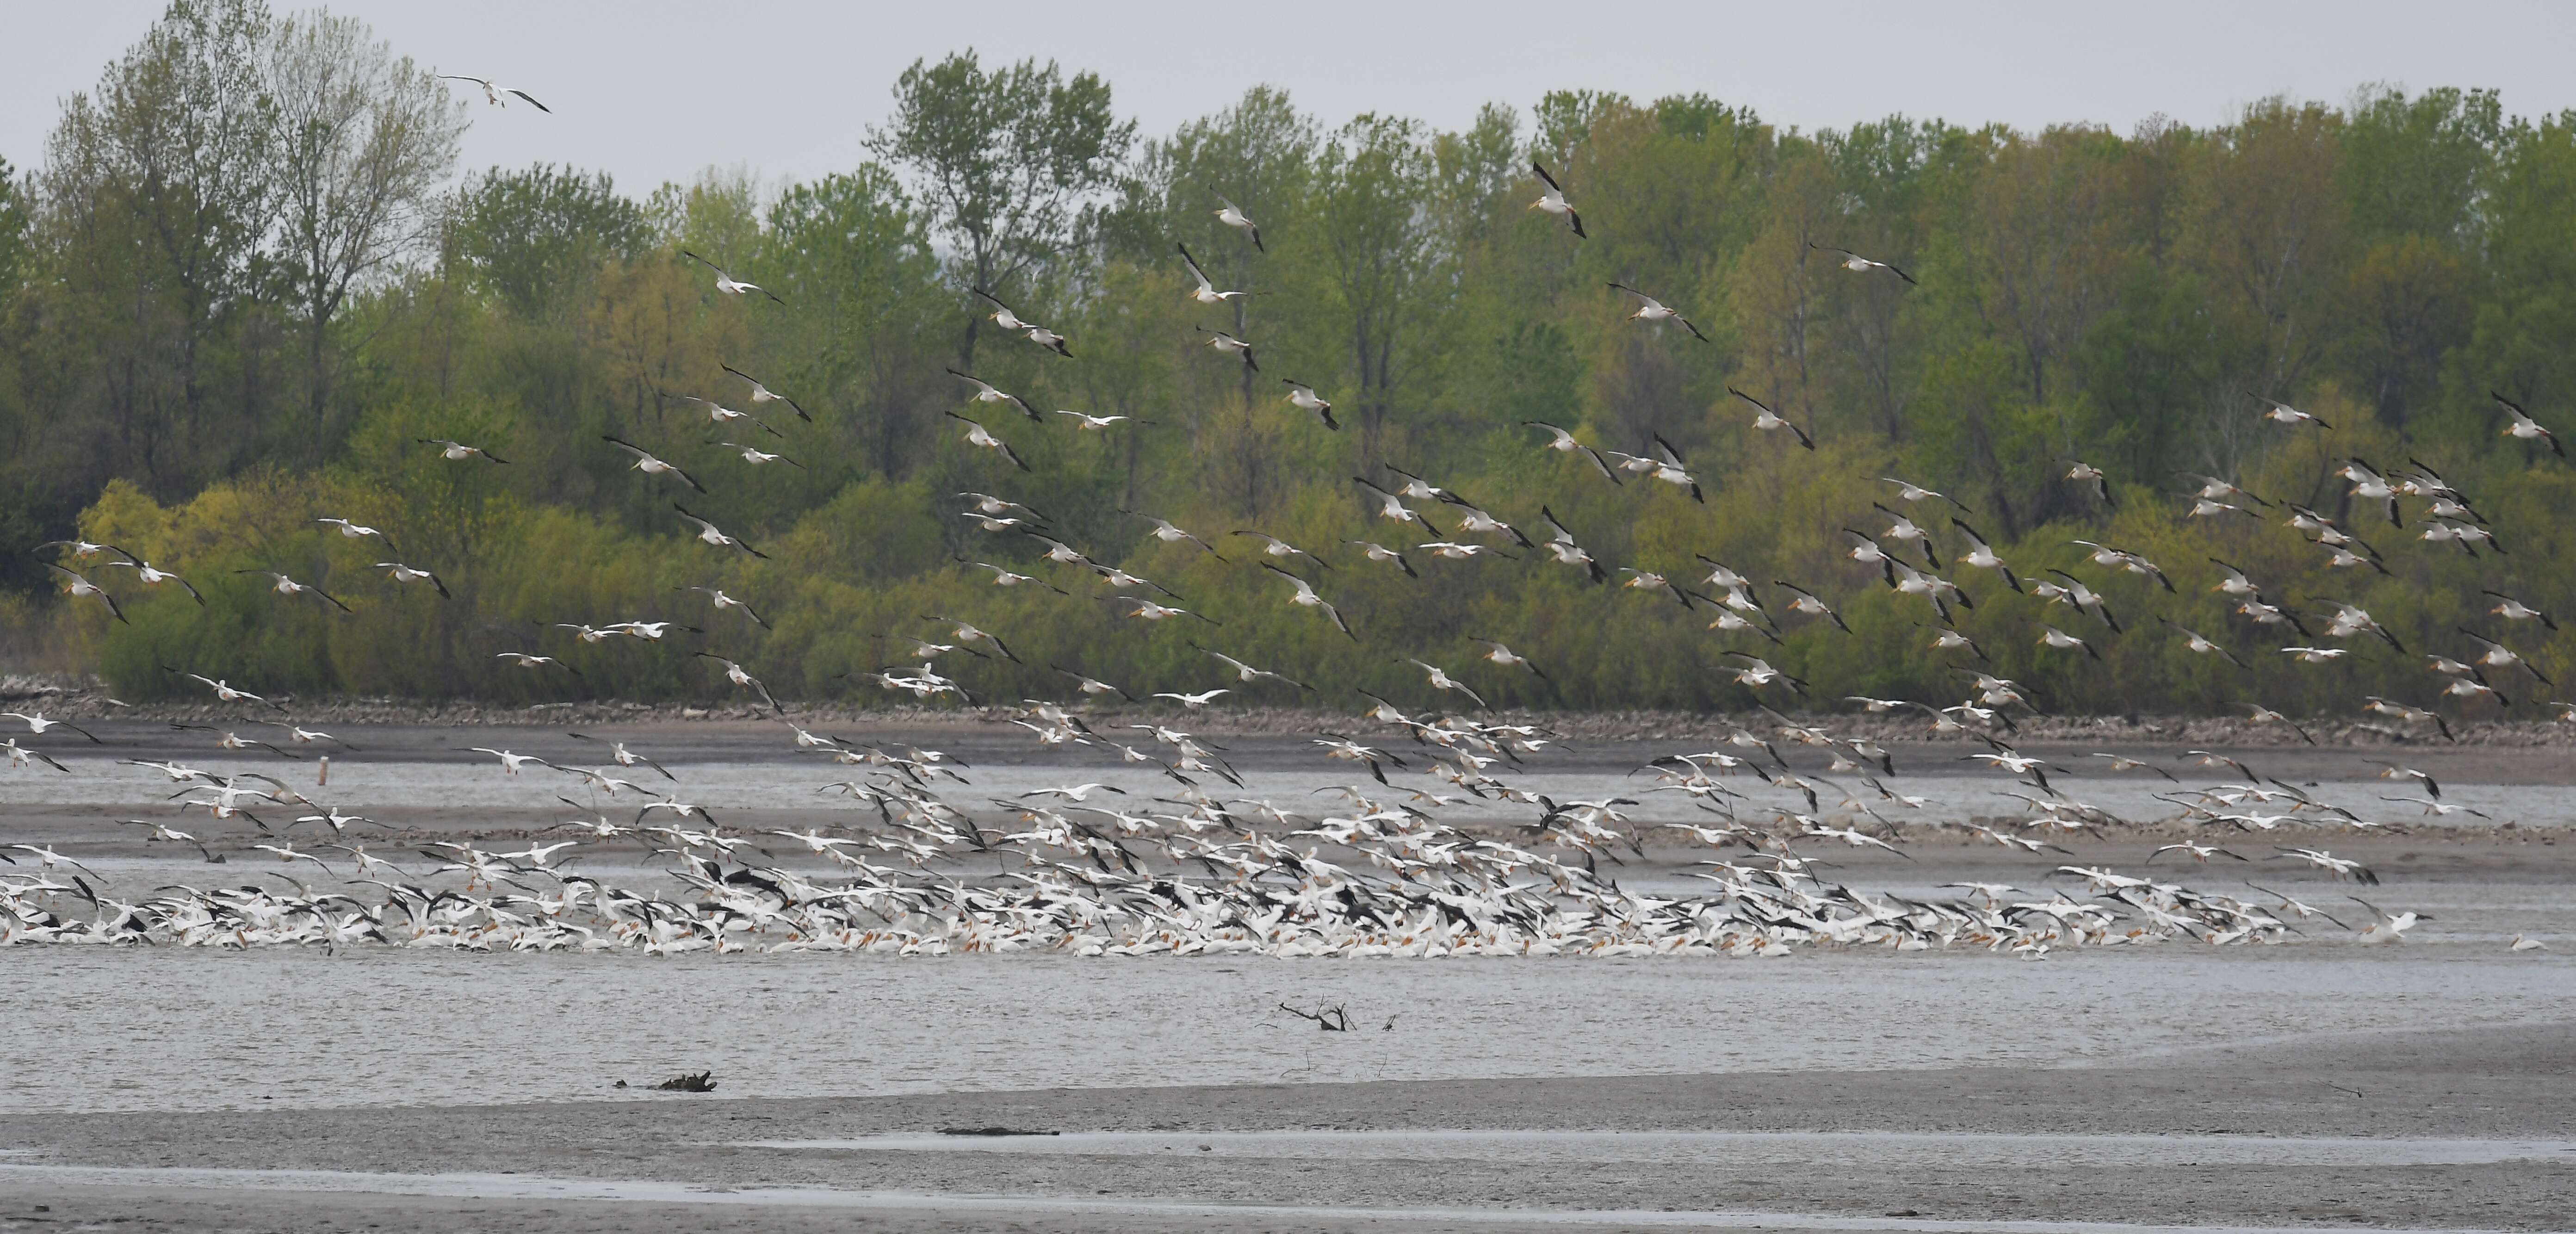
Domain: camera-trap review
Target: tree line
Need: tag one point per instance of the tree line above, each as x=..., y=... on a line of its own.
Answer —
x=245, y=281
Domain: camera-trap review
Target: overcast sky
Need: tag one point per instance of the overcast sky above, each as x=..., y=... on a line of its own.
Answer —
x=655, y=89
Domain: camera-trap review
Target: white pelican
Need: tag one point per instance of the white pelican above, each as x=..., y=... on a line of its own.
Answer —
x=982, y=438
x=285, y=586
x=708, y=533
x=1206, y=292
x=1305, y=398
x=1768, y=420
x=2282, y=413
x=1552, y=200
x=1170, y=533
x=763, y=394
x=1245, y=673
x=1003, y=316
x=80, y=586
x=1563, y=442
x=1651, y=310
x=2515, y=610
x=154, y=576
x=1274, y=546
x=1233, y=216
x=1441, y=680
x=1982, y=555
x=2201, y=645
x=987, y=392
x=401, y=573
x=756, y=456
x=494, y=92
x=1305, y=595
x=649, y=465
x=457, y=452
x=1854, y=261
x=2524, y=428
x=1232, y=346
x=723, y=602
x=727, y=283
x=1506, y=657
x=356, y=531
x=1379, y=552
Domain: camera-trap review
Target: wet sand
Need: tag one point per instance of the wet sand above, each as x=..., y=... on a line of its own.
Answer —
x=2377, y=1096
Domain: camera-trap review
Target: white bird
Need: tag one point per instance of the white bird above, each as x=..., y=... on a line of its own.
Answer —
x=982, y=438
x=763, y=394
x=494, y=91
x=285, y=586
x=2279, y=412
x=1563, y=442
x=723, y=602
x=401, y=573
x=1009, y=578
x=1506, y=657
x=1247, y=674
x=1651, y=310
x=1305, y=398
x=1381, y=553
x=356, y=531
x=1232, y=346
x=510, y=762
x=649, y=465
x=1003, y=316
x=1982, y=555
x=1768, y=420
x=1854, y=261
x=710, y=534
x=153, y=576
x=1305, y=595
x=727, y=283
x=1170, y=533
x=1085, y=422
x=987, y=392
x=1233, y=216
x=1194, y=701
x=1441, y=680
x=79, y=586
x=1206, y=292
x=2524, y=428
x=1552, y=201
x=718, y=413
x=756, y=457
x=526, y=660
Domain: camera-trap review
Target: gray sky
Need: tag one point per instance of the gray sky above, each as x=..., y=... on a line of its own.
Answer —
x=656, y=89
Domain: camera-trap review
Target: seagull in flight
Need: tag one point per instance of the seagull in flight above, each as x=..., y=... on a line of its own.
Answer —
x=1651, y=310
x=494, y=91
x=1552, y=201
x=645, y=462
x=1854, y=261
x=1766, y=419
x=763, y=394
x=709, y=533
x=727, y=283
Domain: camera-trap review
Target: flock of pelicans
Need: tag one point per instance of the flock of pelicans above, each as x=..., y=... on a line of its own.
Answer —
x=1092, y=869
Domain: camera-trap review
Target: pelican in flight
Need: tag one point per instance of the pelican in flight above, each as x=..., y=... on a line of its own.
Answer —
x=1441, y=680
x=1982, y=555
x=1233, y=216
x=401, y=573
x=2524, y=428
x=709, y=533
x=1768, y=420
x=1651, y=310
x=357, y=531
x=2201, y=644
x=1563, y=442
x=982, y=438
x=1169, y=532
x=1305, y=595
x=1276, y=547
x=497, y=94
x=285, y=586
x=1552, y=201
x=1306, y=399
x=1232, y=346
x=1854, y=261
x=718, y=413
x=649, y=465
x=154, y=576
x=987, y=392
x=756, y=456
x=2282, y=413
x=1909, y=491
x=1562, y=547
x=763, y=394
x=1206, y=292
x=1243, y=672
x=457, y=452
x=1506, y=657
x=1379, y=552
x=723, y=602
x=727, y=283
x=1004, y=317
